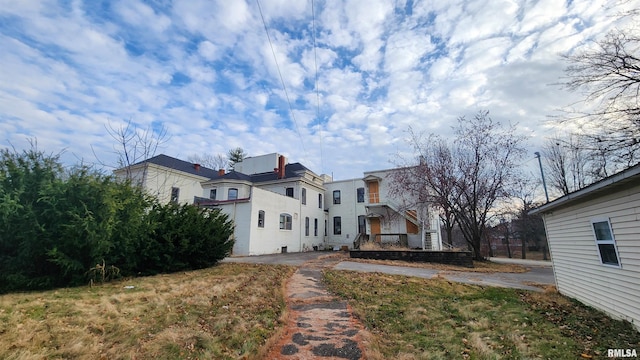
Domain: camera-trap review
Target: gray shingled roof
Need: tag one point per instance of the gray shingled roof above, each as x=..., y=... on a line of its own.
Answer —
x=291, y=170
x=180, y=165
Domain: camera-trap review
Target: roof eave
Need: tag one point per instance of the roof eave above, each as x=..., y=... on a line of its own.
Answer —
x=589, y=190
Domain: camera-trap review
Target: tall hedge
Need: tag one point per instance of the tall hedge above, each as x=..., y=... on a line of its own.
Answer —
x=57, y=224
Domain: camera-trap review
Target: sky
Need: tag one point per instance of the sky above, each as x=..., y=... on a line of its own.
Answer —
x=332, y=84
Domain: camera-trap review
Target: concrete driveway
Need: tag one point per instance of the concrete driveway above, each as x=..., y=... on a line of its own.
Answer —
x=540, y=273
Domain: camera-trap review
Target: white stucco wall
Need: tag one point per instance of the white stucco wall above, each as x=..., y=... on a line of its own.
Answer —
x=348, y=210
x=158, y=181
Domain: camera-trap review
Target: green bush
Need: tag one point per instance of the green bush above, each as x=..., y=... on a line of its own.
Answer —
x=57, y=224
x=184, y=237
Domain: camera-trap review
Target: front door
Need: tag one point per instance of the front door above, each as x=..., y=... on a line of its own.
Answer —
x=375, y=227
x=362, y=224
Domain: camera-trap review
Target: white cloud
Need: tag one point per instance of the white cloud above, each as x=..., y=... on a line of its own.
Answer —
x=138, y=14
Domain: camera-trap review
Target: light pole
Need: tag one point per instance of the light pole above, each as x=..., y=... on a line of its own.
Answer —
x=544, y=184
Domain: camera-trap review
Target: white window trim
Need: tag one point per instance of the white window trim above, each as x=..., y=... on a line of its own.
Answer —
x=606, y=242
x=286, y=217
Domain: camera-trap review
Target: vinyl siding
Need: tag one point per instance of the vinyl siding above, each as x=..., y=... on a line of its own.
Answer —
x=579, y=273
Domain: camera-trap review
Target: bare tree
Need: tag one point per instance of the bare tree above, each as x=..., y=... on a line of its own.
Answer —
x=418, y=180
x=470, y=175
x=609, y=76
x=567, y=164
x=133, y=145
x=216, y=162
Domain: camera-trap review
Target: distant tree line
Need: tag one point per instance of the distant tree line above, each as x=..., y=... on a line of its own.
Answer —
x=66, y=227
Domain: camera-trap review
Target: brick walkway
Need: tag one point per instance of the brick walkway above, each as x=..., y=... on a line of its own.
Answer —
x=319, y=326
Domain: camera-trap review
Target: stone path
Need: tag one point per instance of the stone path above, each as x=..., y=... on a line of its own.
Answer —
x=320, y=326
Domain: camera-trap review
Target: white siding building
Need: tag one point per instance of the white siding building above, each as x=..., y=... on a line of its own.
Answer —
x=281, y=207
x=594, y=240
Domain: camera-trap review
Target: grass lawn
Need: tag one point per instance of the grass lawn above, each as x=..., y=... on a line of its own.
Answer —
x=412, y=318
x=226, y=312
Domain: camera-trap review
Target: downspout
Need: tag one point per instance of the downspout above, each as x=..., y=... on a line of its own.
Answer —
x=300, y=220
x=422, y=234
x=355, y=208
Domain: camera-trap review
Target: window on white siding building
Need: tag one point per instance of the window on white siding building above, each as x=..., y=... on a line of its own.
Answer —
x=336, y=196
x=285, y=221
x=175, y=194
x=360, y=195
x=337, y=225
x=306, y=226
x=212, y=194
x=315, y=227
x=319, y=201
x=233, y=194
x=289, y=192
x=605, y=242
x=261, y=218
x=303, y=196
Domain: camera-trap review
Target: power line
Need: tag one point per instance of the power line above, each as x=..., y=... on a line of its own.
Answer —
x=293, y=116
x=315, y=56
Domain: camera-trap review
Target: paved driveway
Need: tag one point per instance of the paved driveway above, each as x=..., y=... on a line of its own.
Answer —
x=539, y=273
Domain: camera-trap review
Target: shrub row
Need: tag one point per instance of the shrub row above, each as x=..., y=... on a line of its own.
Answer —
x=62, y=227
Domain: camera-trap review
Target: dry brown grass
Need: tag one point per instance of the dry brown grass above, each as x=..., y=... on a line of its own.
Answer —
x=226, y=312
x=413, y=318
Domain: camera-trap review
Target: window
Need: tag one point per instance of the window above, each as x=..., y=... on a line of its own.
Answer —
x=315, y=227
x=212, y=194
x=605, y=242
x=289, y=192
x=306, y=226
x=261, y=218
x=360, y=195
x=337, y=225
x=304, y=196
x=362, y=224
x=175, y=194
x=319, y=201
x=336, y=196
x=233, y=194
x=285, y=222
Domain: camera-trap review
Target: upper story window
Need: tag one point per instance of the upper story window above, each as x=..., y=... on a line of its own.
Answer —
x=319, y=201
x=289, y=192
x=303, y=196
x=212, y=194
x=285, y=221
x=261, y=218
x=605, y=242
x=360, y=192
x=233, y=194
x=336, y=196
x=175, y=194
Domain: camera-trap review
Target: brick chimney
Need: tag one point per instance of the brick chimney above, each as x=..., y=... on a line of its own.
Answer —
x=281, y=165
x=197, y=167
x=221, y=172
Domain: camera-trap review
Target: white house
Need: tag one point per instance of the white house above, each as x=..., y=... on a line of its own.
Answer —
x=594, y=240
x=278, y=206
